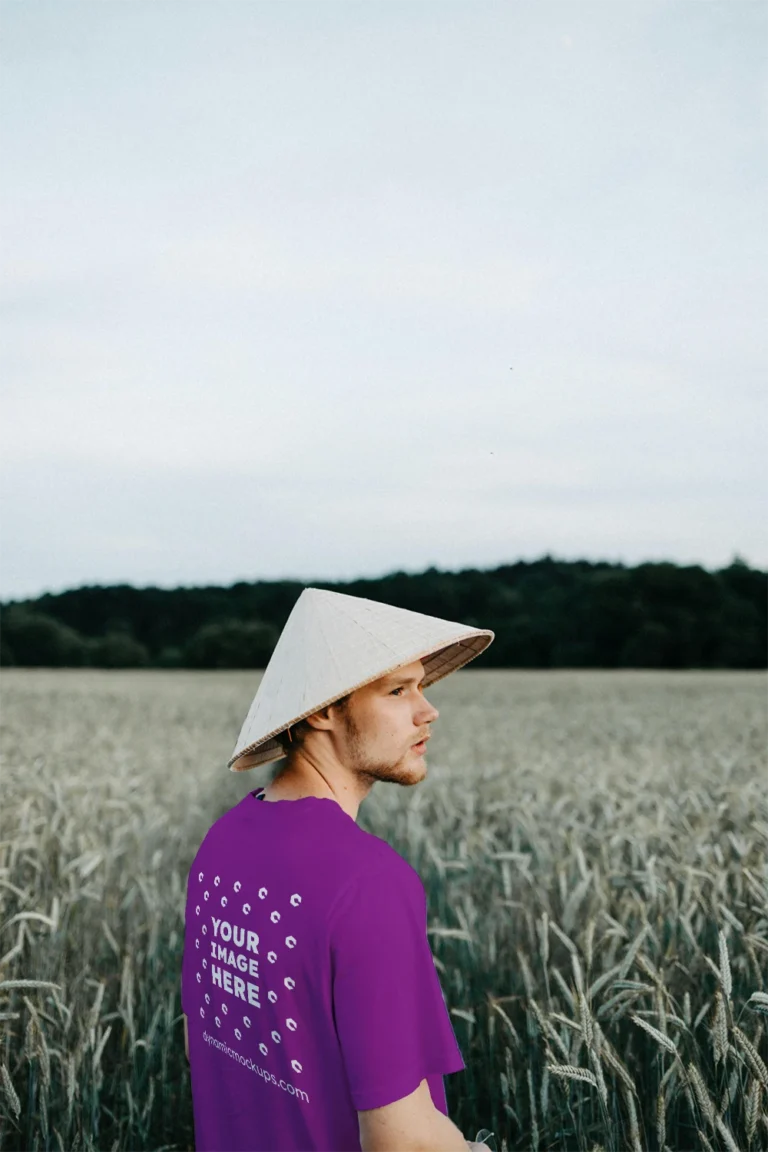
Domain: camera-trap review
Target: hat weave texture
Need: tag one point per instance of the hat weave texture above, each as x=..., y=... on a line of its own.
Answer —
x=333, y=644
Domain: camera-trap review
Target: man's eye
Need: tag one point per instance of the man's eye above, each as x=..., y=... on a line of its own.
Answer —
x=396, y=690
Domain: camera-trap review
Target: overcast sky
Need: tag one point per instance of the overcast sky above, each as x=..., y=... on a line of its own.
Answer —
x=323, y=290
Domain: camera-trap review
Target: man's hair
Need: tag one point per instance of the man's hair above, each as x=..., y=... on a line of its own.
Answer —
x=300, y=729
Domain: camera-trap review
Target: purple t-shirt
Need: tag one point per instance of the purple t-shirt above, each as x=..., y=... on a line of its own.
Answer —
x=308, y=981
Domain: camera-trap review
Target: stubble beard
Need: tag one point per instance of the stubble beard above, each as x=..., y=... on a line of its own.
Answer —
x=363, y=764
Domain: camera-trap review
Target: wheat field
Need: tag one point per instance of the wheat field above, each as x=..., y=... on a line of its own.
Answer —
x=594, y=848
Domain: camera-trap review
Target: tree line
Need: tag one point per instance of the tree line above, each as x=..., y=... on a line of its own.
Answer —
x=546, y=613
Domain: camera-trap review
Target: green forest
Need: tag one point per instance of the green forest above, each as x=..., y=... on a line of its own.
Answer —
x=546, y=613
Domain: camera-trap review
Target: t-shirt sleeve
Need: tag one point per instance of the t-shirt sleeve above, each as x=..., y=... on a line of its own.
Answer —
x=391, y=1019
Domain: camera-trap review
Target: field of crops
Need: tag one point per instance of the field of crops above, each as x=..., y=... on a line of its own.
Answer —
x=594, y=847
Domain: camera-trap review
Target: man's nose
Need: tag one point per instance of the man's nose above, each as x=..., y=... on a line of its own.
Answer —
x=431, y=713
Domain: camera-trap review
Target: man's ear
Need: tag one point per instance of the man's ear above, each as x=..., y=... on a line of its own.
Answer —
x=321, y=719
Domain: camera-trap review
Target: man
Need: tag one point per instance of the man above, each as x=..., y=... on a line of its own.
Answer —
x=313, y=1013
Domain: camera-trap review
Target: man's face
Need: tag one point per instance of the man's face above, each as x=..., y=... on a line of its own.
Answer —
x=381, y=724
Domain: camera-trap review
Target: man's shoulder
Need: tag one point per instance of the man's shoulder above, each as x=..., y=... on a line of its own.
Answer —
x=381, y=864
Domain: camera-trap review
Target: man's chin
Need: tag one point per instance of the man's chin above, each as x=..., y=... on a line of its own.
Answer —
x=414, y=770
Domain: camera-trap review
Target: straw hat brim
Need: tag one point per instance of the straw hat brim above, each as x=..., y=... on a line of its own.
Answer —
x=439, y=661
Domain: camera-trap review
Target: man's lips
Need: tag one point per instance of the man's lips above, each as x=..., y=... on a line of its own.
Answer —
x=420, y=742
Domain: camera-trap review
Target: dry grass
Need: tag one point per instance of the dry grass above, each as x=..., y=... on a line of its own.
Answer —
x=594, y=848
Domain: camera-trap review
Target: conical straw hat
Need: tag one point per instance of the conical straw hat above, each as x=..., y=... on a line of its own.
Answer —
x=333, y=644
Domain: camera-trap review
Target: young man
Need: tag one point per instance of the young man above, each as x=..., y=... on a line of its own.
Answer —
x=313, y=1013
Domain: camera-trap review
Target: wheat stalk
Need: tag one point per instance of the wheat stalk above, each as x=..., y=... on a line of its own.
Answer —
x=719, y=1029
x=589, y=940
x=43, y=1107
x=687, y=1008
x=705, y=1144
x=100, y=1048
x=659, y=1037
x=726, y=1134
x=729, y=1091
x=706, y=1104
x=544, y=1093
x=661, y=1119
x=562, y=937
x=532, y=1103
x=752, y=1055
x=578, y=977
x=571, y=1072
x=752, y=1108
x=10, y=1091
x=758, y=1002
x=602, y=1087
x=8, y=984
x=543, y=933
x=725, y=965
x=614, y=1063
x=586, y=1020
x=634, y=948
x=634, y=1130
